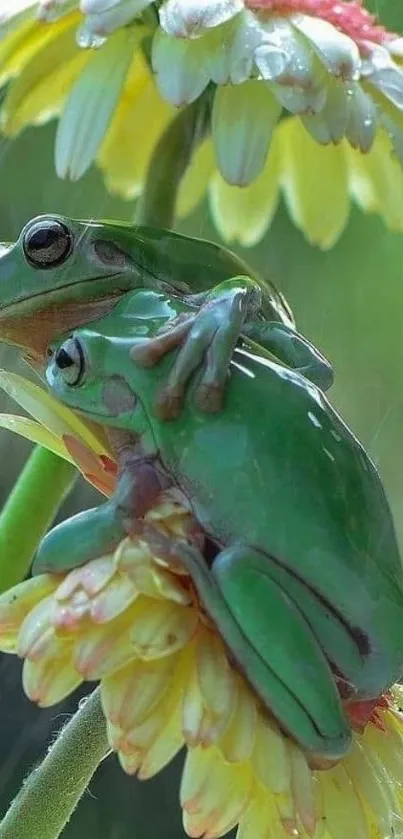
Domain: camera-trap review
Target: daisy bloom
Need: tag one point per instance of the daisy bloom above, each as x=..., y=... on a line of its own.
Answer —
x=307, y=102
x=135, y=625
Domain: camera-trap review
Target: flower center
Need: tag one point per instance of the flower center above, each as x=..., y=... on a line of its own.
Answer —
x=349, y=16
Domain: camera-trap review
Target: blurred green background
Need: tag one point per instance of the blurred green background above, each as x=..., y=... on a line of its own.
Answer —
x=349, y=301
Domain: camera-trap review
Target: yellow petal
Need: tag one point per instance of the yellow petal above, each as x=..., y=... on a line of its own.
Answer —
x=244, y=214
x=368, y=776
x=195, y=180
x=34, y=432
x=46, y=410
x=17, y=602
x=38, y=90
x=49, y=680
x=239, y=739
x=36, y=633
x=302, y=786
x=166, y=745
x=388, y=745
x=376, y=181
x=214, y=794
x=270, y=757
x=138, y=122
x=315, y=185
x=29, y=39
x=342, y=807
x=162, y=628
x=130, y=694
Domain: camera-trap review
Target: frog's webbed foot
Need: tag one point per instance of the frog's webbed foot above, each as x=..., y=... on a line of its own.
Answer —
x=98, y=531
x=207, y=336
x=272, y=643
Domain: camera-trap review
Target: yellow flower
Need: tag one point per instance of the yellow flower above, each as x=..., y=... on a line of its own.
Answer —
x=134, y=624
x=328, y=64
x=166, y=682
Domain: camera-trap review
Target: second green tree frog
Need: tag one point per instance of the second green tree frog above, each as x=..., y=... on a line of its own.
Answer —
x=303, y=576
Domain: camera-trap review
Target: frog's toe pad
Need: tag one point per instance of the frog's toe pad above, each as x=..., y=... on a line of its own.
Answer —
x=168, y=403
x=210, y=398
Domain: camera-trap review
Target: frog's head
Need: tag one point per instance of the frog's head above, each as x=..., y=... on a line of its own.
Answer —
x=93, y=373
x=61, y=274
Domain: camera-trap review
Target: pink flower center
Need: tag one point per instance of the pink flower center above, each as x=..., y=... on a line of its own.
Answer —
x=347, y=15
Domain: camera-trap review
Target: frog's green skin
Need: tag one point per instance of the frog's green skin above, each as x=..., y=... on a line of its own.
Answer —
x=61, y=274
x=307, y=569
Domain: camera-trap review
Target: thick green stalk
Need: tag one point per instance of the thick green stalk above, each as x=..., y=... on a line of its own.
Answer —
x=51, y=792
x=29, y=511
x=169, y=161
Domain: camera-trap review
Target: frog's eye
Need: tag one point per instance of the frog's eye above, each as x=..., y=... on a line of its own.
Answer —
x=47, y=243
x=70, y=362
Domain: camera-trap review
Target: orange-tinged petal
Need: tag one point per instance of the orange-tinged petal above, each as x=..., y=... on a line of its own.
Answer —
x=130, y=694
x=49, y=680
x=15, y=605
x=134, y=557
x=214, y=794
x=101, y=649
x=92, y=577
x=130, y=762
x=200, y=726
x=216, y=678
x=162, y=628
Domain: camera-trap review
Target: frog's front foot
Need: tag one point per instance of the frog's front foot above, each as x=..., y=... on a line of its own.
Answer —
x=98, y=531
x=207, y=336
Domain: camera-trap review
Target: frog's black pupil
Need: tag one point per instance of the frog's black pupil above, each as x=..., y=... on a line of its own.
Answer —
x=47, y=244
x=63, y=359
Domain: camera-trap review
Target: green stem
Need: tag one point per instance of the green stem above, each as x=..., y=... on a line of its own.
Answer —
x=169, y=161
x=51, y=792
x=29, y=511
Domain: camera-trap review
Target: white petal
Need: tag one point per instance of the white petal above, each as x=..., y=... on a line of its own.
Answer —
x=252, y=39
x=190, y=18
x=362, y=120
x=90, y=106
x=180, y=68
x=330, y=124
x=242, y=124
x=104, y=16
x=389, y=82
x=338, y=52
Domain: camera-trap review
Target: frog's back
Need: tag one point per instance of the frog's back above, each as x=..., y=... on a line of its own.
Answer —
x=279, y=470
x=194, y=265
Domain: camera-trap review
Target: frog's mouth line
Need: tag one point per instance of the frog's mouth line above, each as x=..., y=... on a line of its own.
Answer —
x=54, y=293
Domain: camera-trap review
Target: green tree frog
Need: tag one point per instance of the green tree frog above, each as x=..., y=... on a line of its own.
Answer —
x=61, y=274
x=302, y=575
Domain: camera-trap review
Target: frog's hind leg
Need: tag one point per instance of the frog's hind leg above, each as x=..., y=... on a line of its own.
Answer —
x=273, y=645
